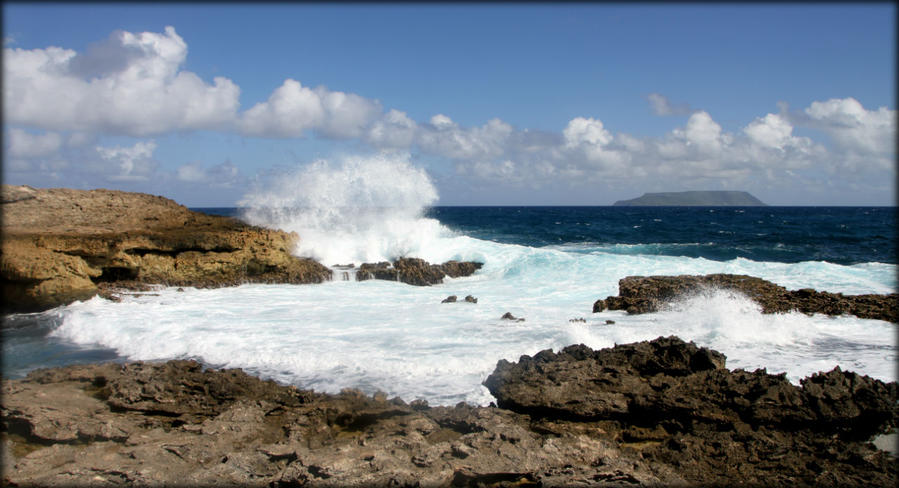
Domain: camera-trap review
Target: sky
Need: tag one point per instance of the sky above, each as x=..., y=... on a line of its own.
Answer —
x=498, y=104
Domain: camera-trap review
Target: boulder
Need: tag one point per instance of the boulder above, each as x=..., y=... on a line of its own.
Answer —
x=415, y=271
x=644, y=294
x=677, y=403
x=61, y=245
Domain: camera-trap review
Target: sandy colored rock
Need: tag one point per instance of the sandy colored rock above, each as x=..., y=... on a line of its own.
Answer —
x=60, y=244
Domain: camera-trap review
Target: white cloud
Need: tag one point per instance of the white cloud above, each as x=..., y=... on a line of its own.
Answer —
x=293, y=109
x=582, y=130
x=131, y=84
x=347, y=115
x=445, y=138
x=133, y=163
x=854, y=128
x=704, y=133
x=289, y=112
x=771, y=131
x=394, y=130
x=26, y=145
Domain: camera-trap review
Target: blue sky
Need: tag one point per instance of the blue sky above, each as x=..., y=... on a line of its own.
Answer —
x=525, y=104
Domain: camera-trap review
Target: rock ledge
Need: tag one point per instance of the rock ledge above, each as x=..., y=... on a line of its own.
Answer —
x=61, y=245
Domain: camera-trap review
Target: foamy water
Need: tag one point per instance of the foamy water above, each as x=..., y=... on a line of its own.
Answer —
x=380, y=335
x=400, y=339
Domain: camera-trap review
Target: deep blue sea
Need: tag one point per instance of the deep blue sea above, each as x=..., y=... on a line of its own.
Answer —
x=546, y=264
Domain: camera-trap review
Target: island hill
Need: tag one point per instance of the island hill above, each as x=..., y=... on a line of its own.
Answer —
x=693, y=199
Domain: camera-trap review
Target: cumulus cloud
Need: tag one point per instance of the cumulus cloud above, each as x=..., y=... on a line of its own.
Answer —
x=446, y=138
x=131, y=84
x=293, y=109
x=394, y=130
x=860, y=134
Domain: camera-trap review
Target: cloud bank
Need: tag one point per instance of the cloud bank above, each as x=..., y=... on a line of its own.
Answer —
x=59, y=106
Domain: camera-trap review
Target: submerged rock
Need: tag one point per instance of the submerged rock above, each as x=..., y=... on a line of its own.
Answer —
x=509, y=316
x=662, y=412
x=61, y=245
x=644, y=294
x=415, y=271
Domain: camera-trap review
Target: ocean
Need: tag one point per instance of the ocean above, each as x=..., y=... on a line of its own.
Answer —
x=545, y=264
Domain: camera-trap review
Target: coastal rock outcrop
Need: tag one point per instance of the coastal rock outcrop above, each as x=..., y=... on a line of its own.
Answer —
x=415, y=271
x=61, y=245
x=661, y=412
x=644, y=294
x=679, y=405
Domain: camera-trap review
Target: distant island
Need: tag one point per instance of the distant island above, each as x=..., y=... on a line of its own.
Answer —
x=693, y=199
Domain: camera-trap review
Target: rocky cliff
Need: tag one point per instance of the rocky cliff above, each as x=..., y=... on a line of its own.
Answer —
x=61, y=245
x=643, y=294
x=661, y=412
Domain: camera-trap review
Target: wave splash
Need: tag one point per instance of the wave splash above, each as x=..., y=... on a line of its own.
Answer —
x=363, y=209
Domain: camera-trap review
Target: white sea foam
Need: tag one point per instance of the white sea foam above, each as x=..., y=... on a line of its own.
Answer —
x=379, y=335
x=364, y=209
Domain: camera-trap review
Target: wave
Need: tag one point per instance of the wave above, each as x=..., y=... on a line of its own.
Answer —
x=361, y=209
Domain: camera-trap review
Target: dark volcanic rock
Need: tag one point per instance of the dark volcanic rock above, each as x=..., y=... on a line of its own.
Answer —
x=176, y=424
x=643, y=294
x=509, y=316
x=415, y=271
x=682, y=406
x=655, y=413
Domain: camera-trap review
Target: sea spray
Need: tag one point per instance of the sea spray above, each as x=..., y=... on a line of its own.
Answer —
x=362, y=209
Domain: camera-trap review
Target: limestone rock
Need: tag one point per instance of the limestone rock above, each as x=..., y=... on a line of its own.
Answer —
x=59, y=245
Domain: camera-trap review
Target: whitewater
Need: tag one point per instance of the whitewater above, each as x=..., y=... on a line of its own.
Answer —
x=400, y=339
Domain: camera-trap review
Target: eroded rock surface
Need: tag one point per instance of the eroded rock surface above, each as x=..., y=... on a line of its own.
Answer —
x=415, y=271
x=644, y=294
x=174, y=423
x=679, y=406
x=655, y=413
x=60, y=245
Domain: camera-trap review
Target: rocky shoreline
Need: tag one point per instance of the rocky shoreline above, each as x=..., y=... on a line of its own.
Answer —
x=60, y=245
x=661, y=412
x=645, y=294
